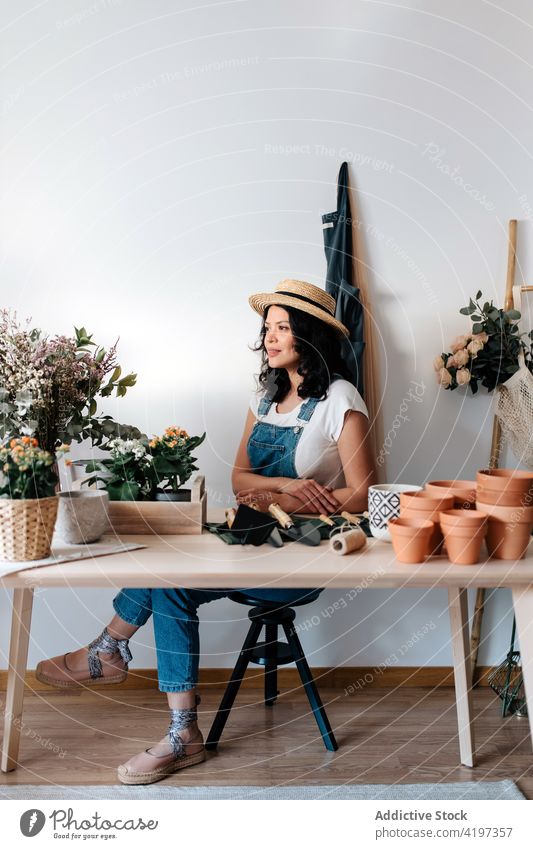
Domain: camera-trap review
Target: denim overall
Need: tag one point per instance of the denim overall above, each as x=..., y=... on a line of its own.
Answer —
x=271, y=450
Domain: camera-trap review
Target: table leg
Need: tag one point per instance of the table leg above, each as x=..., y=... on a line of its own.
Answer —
x=458, y=607
x=523, y=611
x=18, y=655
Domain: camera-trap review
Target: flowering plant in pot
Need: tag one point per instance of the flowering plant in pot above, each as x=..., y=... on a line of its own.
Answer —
x=28, y=503
x=138, y=470
x=50, y=386
x=125, y=472
x=490, y=354
x=172, y=463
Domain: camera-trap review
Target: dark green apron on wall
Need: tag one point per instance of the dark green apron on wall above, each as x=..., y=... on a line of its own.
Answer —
x=337, y=229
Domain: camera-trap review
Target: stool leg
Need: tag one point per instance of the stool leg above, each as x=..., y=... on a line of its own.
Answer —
x=232, y=689
x=310, y=687
x=271, y=666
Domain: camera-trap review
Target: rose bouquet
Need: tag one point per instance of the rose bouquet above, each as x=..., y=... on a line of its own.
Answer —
x=490, y=354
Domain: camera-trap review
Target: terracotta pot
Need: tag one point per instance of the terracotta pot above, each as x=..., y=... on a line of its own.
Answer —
x=423, y=506
x=509, y=480
x=503, y=497
x=411, y=539
x=507, y=541
x=463, y=543
x=471, y=519
x=507, y=514
x=464, y=492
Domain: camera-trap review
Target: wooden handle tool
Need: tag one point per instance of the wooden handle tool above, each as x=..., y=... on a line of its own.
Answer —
x=351, y=517
x=230, y=516
x=326, y=520
x=283, y=518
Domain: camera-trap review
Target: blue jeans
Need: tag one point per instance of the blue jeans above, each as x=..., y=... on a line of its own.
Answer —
x=176, y=631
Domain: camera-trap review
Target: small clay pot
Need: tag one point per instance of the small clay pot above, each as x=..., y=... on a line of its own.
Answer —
x=507, y=540
x=411, y=539
x=508, y=480
x=471, y=519
x=464, y=492
x=463, y=544
x=423, y=506
x=515, y=514
x=503, y=497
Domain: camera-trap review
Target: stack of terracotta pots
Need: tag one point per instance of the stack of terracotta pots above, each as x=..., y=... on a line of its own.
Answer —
x=506, y=497
x=497, y=508
x=423, y=505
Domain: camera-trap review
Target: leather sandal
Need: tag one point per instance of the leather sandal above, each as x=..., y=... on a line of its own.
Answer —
x=106, y=643
x=180, y=719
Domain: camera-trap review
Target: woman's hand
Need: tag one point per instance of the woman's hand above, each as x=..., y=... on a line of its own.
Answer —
x=307, y=489
x=263, y=498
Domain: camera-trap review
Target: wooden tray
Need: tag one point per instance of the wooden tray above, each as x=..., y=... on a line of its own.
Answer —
x=161, y=517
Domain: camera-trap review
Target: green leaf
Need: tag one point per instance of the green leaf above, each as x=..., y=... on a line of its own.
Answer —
x=467, y=310
x=129, y=380
x=514, y=315
x=477, y=328
x=116, y=374
x=478, y=296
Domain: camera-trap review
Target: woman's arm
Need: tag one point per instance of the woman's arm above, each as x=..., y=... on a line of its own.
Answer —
x=354, y=451
x=247, y=483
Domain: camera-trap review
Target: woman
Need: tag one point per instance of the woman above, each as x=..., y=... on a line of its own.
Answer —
x=308, y=451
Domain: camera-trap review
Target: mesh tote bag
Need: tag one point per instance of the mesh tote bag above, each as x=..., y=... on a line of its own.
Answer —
x=514, y=406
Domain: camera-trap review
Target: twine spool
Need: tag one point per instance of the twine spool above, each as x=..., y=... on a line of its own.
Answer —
x=346, y=539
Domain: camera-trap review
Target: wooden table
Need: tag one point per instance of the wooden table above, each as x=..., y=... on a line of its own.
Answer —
x=203, y=561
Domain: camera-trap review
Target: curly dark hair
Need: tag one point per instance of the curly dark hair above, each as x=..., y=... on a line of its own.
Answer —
x=319, y=347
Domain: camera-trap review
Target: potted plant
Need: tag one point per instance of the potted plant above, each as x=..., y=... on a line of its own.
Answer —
x=139, y=475
x=125, y=472
x=28, y=503
x=172, y=463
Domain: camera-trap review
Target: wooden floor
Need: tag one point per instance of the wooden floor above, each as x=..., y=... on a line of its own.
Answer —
x=405, y=736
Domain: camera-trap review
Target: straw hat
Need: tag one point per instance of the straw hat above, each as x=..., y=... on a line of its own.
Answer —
x=302, y=296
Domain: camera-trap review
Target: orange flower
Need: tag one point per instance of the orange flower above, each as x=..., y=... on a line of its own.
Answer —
x=12, y=443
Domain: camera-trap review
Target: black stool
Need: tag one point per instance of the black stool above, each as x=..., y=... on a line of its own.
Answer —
x=270, y=653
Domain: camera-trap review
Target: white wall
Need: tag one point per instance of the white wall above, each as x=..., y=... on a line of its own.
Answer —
x=163, y=160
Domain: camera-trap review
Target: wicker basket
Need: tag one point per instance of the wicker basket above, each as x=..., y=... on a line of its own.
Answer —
x=26, y=527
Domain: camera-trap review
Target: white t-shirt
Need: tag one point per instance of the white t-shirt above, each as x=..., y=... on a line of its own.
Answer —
x=317, y=455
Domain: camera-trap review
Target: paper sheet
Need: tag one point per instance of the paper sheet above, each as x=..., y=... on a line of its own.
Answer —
x=63, y=553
